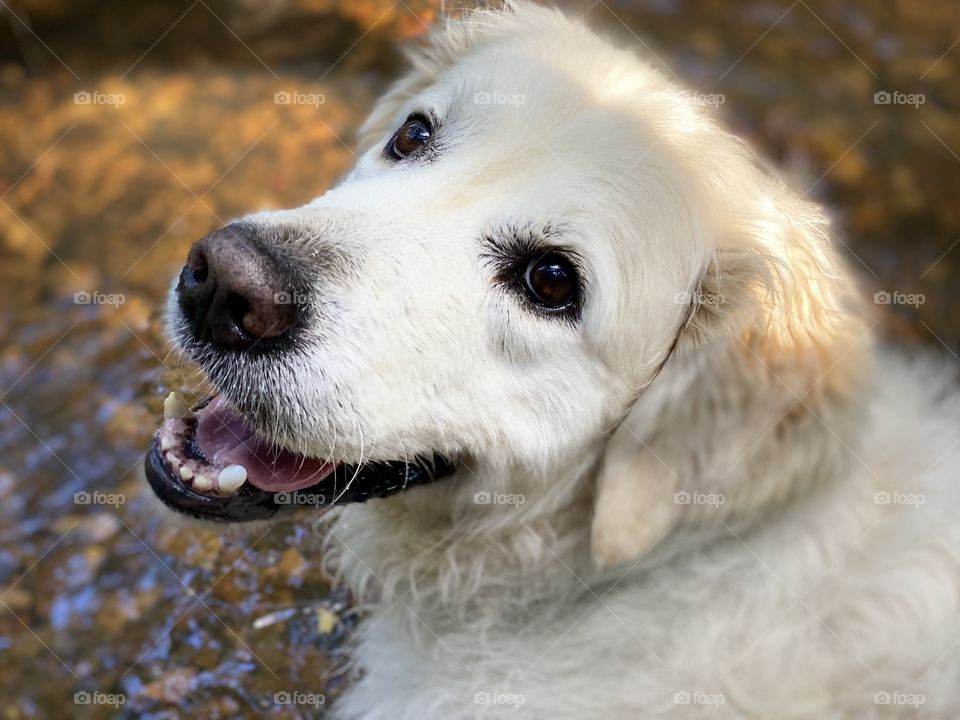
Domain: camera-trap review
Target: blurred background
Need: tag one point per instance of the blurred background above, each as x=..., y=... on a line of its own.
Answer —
x=130, y=130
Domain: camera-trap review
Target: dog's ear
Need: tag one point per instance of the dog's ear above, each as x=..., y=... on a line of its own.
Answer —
x=755, y=402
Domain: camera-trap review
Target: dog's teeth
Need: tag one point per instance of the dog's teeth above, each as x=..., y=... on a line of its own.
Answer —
x=231, y=478
x=173, y=460
x=201, y=483
x=175, y=407
x=166, y=442
x=186, y=473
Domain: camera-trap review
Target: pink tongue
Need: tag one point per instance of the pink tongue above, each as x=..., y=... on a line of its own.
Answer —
x=225, y=438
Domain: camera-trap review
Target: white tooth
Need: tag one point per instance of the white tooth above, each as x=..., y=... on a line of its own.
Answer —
x=231, y=478
x=175, y=407
x=201, y=483
x=173, y=460
x=186, y=473
x=166, y=442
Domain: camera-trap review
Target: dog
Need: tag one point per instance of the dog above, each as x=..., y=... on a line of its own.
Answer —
x=602, y=415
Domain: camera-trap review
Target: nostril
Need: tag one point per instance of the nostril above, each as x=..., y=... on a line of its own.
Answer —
x=268, y=318
x=193, y=290
x=197, y=262
x=237, y=308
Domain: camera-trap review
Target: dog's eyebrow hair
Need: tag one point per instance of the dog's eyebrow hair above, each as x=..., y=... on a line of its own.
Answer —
x=436, y=122
x=514, y=238
x=429, y=113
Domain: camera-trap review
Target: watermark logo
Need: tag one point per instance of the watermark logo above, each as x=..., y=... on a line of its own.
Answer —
x=706, y=99
x=96, y=497
x=296, y=697
x=883, y=297
x=895, y=97
x=484, y=497
x=895, y=697
x=899, y=498
x=96, y=697
x=84, y=97
x=698, y=299
x=695, y=697
x=82, y=297
x=698, y=498
x=300, y=498
x=486, y=97
x=495, y=697
x=287, y=97
x=290, y=298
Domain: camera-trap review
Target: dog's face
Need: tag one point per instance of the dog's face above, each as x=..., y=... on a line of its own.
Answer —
x=507, y=264
x=493, y=279
x=527, y=237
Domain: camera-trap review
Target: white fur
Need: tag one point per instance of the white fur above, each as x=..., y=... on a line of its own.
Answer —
x=602, y=595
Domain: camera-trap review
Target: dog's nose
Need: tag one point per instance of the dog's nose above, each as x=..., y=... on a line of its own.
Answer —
x=232, y=292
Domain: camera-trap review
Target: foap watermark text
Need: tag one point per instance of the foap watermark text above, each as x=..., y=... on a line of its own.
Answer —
x=83, y=297
x=884, y=497
x=293, y=97
x=484, y=497
x=883, y=297
x=895, y=97
x=695, y=697
x=496, y=697
x=85, y=97
x=298, y=697
x=698, y=498
x=485, y=97
x=84, y=497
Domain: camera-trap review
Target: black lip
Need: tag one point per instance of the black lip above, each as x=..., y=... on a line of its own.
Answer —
x=372, y=480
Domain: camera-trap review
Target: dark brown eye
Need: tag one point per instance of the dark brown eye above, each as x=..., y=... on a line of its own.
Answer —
x=410, y=138
x=551, y=281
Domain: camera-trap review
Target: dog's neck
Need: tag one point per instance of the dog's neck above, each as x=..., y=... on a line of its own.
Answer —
x=452, y=562
x=437, y=545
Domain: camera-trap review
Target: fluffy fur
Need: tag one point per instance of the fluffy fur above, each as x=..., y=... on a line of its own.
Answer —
x=713, y=495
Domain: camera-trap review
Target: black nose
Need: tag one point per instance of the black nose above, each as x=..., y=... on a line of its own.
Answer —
x=233, y=293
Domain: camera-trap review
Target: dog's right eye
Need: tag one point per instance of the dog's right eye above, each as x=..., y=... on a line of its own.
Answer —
x=412, y=136
x=551, y=281
x=548, y=280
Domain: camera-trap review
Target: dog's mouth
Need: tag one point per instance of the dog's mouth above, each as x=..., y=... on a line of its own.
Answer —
x=209, y=462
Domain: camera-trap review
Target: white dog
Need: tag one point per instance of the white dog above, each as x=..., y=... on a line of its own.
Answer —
x=663, y=469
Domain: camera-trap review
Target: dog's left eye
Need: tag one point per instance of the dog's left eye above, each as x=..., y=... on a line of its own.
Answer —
x=412, y=136
x=551, y=281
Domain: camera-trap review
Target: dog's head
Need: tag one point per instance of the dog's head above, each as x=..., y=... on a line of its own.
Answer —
x=539, y=230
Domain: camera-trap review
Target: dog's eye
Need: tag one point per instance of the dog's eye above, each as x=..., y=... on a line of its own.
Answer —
x=410, y=138
x=551, y=281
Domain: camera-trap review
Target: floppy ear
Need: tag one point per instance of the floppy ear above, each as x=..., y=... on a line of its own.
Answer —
x=759, y=399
